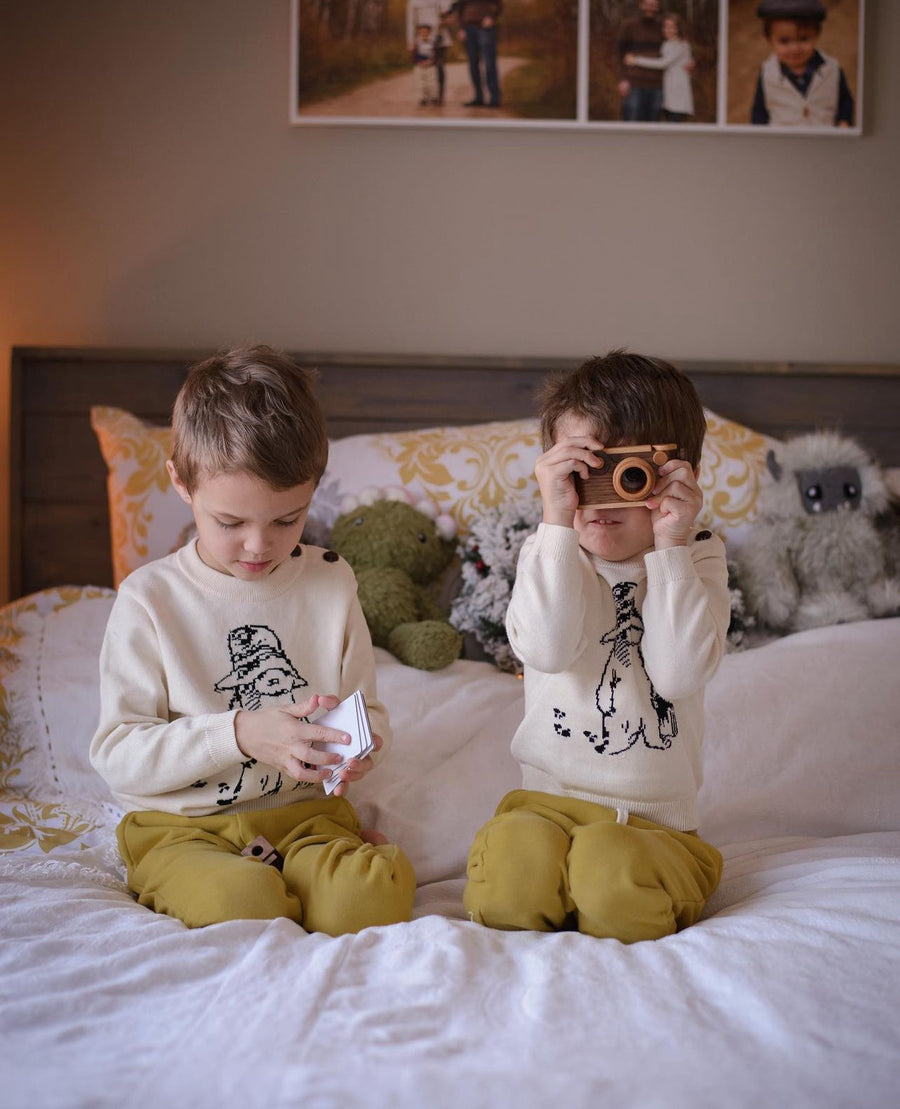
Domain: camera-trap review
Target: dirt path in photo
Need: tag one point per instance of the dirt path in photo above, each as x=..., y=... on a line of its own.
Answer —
x=399, y=96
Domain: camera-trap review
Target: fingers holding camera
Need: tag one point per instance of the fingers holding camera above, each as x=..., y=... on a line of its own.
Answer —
x=674, y=504
x=554, y=471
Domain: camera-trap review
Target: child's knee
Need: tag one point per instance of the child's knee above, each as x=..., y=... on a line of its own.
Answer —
x=353, y=886
x=517, y=874
x=633, y=884
x=247, y=890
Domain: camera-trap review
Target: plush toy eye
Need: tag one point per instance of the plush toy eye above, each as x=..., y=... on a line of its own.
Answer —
x=359, y=520
x=850, y=490
x=814, y=493
x=422, y=537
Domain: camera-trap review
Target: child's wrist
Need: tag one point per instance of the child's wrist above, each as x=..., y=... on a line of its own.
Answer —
x=667, y=542
x=560, y=517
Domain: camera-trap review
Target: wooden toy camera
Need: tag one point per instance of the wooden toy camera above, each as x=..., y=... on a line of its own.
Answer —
x=626, y=477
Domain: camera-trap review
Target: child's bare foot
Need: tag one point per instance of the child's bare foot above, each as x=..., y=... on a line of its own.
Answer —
x=371, y=836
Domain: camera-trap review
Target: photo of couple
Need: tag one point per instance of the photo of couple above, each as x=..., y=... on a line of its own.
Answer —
x=707, y=64
x=654, y=66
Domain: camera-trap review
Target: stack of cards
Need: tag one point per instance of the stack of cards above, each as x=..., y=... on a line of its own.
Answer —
x=351, y=717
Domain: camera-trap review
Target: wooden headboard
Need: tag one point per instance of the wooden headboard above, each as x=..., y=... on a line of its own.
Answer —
x=59, y=527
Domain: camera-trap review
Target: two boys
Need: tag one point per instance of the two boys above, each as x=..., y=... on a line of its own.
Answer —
x=619, y=615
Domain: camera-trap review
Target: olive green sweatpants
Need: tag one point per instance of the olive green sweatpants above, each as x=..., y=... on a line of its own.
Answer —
x=331, y=881
x=548, y=863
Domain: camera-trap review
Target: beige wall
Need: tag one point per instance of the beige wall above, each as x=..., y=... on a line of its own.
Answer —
x=153, y=193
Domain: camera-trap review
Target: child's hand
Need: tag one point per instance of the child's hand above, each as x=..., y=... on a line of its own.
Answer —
x=357, y=768
x=675, y=504
x=554, y=470
x=279, y=738
x=629, y=59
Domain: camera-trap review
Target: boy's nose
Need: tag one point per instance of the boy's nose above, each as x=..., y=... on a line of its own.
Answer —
x=256, y=545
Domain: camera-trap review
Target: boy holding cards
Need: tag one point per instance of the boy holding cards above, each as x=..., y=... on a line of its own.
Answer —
x=211, y=667
x=619, y=613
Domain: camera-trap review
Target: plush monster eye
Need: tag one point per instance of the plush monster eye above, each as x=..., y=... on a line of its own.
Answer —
x=359, y=521
x=422, y=537
x=814, y=493
x=851, y=490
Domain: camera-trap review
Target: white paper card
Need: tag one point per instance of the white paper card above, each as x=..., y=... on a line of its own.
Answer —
x=349, y=716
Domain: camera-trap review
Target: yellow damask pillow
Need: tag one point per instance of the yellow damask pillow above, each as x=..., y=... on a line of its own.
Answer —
x=469, y=469
x=147, y=517
x=464, y=469
x=732, y=469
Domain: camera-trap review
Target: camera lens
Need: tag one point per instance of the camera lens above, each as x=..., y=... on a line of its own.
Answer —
x=633, y=479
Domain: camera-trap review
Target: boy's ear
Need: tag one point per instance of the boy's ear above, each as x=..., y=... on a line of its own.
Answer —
x=180, y=487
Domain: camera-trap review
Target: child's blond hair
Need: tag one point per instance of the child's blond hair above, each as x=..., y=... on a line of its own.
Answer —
x=249, y=410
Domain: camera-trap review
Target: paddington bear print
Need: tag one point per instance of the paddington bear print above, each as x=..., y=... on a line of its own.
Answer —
x=262, y=676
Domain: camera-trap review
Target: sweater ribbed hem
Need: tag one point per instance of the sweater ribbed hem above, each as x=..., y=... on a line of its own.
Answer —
x=679, y=813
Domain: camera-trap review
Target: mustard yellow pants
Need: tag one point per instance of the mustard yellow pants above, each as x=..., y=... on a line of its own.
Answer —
x=548, y=863
x=191, y=867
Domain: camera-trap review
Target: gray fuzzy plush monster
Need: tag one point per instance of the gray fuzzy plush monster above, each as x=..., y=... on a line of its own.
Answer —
x=826, y=546
x=396, y=549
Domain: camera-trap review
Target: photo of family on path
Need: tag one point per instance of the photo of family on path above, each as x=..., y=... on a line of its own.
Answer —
x=717, y=64
x=436, y=60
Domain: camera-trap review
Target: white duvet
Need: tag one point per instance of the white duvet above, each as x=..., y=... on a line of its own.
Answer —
x=785, y=994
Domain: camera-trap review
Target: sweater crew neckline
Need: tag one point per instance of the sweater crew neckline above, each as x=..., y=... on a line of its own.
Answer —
x=230, y=588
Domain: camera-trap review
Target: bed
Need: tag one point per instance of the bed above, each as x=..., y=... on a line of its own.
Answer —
x=785, y=993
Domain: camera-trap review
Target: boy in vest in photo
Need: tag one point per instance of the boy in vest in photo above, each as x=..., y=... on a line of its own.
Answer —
x=798, y=85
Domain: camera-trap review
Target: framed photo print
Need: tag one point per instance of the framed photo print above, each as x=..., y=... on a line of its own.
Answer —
x=763, y=66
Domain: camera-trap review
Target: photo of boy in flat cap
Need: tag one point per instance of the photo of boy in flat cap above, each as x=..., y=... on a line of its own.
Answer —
x=798, y=84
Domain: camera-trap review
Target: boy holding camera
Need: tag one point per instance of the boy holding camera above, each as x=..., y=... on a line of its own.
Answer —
x=619, y=616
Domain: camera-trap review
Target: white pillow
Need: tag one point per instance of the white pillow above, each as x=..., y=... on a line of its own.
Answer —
x=801, y=736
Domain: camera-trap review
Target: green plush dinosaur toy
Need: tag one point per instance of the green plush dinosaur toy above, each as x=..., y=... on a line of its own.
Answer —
x=396, y=549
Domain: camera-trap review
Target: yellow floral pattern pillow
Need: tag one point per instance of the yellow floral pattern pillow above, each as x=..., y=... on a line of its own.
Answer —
x=49, y=683
x=147, y=517
x=732, y=468
x=464, y=469
x=469, y=469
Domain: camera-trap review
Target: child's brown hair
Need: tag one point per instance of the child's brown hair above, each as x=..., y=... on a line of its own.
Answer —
x=249, y=410
x=629, y=398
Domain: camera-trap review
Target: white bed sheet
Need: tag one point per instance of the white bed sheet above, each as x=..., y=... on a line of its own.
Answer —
x=787, y=996
x=786, y=993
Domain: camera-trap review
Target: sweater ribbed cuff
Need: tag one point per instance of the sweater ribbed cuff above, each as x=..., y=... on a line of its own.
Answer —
x=671, y=564
x=555, y=541
x=221, y=741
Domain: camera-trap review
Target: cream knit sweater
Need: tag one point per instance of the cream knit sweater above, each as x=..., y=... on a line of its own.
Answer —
x=617, y=655
x=187, y=646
